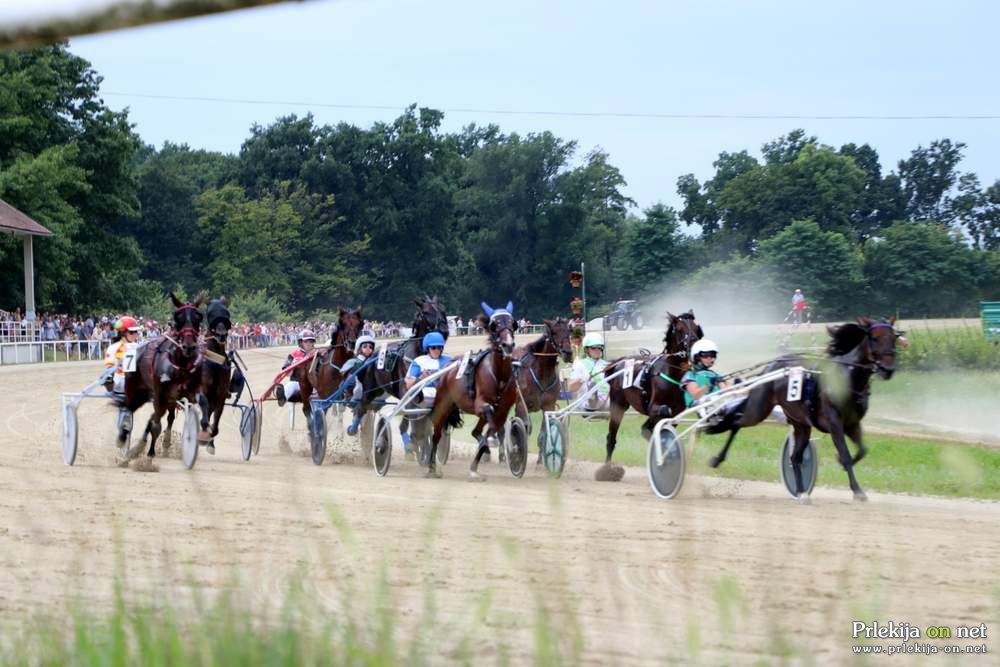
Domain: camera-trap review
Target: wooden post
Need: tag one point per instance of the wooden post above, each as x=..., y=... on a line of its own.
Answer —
x=29, y=279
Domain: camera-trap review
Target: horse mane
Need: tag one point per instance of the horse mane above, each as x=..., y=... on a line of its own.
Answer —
x=536, y=345
x=844, y=338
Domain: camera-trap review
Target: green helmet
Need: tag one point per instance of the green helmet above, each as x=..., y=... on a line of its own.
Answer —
x=593, y=339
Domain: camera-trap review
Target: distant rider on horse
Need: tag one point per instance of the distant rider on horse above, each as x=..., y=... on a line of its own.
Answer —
x=588, y=370
x=126, y=334
x=289, y=391
x=364, y=347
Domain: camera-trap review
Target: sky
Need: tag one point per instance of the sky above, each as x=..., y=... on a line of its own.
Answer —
x=364, y=61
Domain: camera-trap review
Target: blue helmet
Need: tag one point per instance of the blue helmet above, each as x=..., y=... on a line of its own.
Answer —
x=433, y=339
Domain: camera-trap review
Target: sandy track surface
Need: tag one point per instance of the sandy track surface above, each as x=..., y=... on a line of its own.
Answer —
x=730, y=570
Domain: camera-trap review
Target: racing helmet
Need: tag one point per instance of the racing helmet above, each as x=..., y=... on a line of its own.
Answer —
x=307, y=334
x=361, y=341
x=701, y=346
x=433, y=339
x=593, y=339
x=127, y=323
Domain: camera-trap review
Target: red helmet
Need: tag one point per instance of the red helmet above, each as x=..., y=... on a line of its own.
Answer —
x=127, y=323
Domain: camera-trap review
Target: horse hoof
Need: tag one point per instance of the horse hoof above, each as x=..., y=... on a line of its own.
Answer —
x=861, y=497
x=210, y=448
x=714, y=462
x=204, y=436
x=803, y=499
x=433, y=474
x=476, y=477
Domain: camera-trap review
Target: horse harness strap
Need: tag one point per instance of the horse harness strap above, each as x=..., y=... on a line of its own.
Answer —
x=670, y=379
x=534, y=378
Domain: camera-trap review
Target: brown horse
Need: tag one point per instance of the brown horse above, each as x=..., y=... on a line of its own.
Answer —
x=217, y=374
x=495, y=389
x=855, y=352
x=659, y=395
x=324, y=373
x=538, y=377
x=168, y=369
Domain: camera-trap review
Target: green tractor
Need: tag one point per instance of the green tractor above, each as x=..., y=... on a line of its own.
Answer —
x=623, y=315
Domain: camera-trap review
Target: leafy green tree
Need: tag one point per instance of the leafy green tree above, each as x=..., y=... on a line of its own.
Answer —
x=920, y=269
x=254, y=239
x=651, y=249
x=929, y=175
x=825, y=265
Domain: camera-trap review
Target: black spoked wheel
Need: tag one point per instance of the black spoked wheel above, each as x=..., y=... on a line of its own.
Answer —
x=810, y=466
x=317, y=436
x=189, y=438
x=665, y=461
x=381, y=446
x=516, y=445
x=555, y=446
x=70, y=435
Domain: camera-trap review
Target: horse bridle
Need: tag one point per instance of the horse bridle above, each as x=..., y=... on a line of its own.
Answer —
x=685, y=346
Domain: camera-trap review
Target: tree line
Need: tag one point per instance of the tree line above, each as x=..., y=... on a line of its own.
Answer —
x=306, y=216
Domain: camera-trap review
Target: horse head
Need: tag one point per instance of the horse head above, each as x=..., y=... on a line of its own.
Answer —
x=682, y=332
x=558, y=332
x=350, y=324
x=501, y=324
x=880, y=340
x=430, y=317
x=187, y=323
x=219, y=322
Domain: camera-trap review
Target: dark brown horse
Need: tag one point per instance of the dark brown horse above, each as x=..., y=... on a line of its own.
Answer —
x=538, y=377
x=168, y=369
x=324, y=374
x=376, y=381
x=216, y=371
x=659, y=394
x=495, y=390
x=834, y=402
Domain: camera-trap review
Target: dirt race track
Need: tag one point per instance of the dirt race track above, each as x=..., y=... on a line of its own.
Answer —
x=729, y=570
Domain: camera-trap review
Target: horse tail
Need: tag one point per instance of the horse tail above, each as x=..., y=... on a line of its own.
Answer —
x=455, y=417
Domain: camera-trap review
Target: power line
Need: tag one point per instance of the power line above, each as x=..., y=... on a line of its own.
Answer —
x=567, y=114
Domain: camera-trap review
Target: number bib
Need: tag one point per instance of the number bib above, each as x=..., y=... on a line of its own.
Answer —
x=129, y=358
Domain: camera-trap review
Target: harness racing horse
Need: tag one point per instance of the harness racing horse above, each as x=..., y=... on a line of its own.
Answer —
x=325, y=372
x=376, y=381
x=495, y=388
x=219, y=376
x=836, y=405
x=538, y=378
x=168, y=368
x=659, y=395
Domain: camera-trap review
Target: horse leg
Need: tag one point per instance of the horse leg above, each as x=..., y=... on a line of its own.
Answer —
x=477, y=433
x=801, y=436
x=168, y=436
x=837, y=434
x=155, y=428
x=205, y=436
x=617, y=412
x=485, y=413
x=853, y=431
x=717, y=460
x=439, y=417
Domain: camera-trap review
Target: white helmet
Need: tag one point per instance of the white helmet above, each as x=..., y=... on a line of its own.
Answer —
x=703, y=345
x=361, y=341
x=593, y=339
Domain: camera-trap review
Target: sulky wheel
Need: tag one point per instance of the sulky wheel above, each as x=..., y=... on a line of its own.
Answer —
x=381, y=445
x=189, y=438
x=258, y=427
x=317, y=436
x=665, y=461
x=70, y=434
x=555, y=445
x=444, y=448
x=248, y=420
x=516, y=445
x=810, y=466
